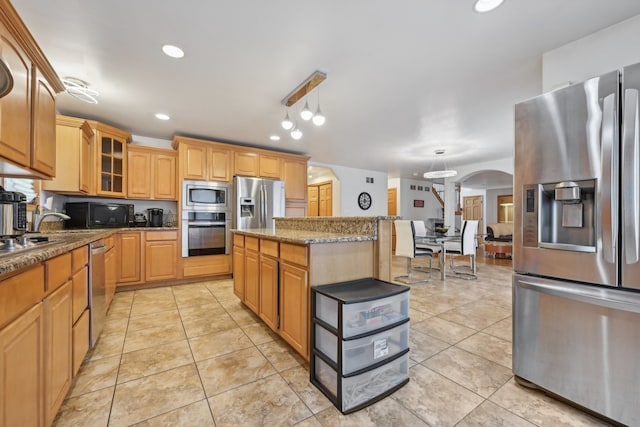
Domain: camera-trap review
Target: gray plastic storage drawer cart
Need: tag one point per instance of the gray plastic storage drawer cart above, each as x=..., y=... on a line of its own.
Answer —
x=360, y=341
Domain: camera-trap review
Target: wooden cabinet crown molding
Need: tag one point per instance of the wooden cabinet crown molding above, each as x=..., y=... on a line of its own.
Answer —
x=108, y=129
x=12, y=21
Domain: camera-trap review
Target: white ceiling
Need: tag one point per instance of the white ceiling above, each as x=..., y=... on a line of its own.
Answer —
x=405, y=77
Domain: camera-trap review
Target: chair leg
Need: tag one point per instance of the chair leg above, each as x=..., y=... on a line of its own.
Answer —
x=464, y=275
x=409, y=278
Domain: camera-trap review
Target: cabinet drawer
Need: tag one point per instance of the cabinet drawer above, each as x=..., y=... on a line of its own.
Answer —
x=79, y=258
x=269, y=247
x=350, y=392
x=238, y=240
x=296, y=254
x=252, y=243
x=363, y=317
x=20, y=292
x=58, y=271
x=161, y=235
x=80, y=340
x=363, y=352
x=80, y=292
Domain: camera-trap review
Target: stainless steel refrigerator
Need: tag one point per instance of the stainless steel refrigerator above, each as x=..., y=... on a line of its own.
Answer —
x=576, y=285
x=257, y=202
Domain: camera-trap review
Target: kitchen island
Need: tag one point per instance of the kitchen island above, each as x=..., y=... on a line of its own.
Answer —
x=274, y=269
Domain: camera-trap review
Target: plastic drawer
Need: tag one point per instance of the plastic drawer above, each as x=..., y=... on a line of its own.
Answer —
x=363, y=317
x=363, y=352
x=364, y=388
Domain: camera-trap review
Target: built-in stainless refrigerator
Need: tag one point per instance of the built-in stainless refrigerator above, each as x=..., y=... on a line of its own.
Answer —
x=576, y=285
x=257, y=202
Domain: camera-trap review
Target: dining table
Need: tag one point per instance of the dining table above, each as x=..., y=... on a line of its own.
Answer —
x=440, y=240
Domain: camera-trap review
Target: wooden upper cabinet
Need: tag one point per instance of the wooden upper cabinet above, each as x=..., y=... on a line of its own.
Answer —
x=269, y=166
x=246, y=164
x=74, y=141
x=164, y=175
x=294, y=174
x=139, y=173
x=15, y=107
x=151, y=173
x=27, y=112
x=202, y=161
x=111, y=160
x=43, y=144
x=218, y=164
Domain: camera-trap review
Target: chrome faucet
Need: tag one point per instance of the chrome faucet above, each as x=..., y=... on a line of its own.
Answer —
x=43, y=216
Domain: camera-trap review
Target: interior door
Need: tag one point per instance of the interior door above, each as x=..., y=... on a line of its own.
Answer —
x=473, y=208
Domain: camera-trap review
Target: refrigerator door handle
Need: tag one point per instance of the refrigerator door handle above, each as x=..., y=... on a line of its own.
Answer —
x=631, y=176
x=607, y=210
x=263, y=206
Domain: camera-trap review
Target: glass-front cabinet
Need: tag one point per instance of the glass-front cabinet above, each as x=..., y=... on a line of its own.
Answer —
x=111, y=153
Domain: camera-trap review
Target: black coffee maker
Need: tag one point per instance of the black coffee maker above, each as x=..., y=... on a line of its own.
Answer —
x=155, y=217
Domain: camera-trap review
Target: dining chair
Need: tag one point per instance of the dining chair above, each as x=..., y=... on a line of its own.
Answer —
x=466, y=246
x=406, y=247
x=421, y=231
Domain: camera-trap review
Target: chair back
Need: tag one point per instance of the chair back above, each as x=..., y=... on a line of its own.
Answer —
x=419, y=228
x=468, y=238
x=405, y=245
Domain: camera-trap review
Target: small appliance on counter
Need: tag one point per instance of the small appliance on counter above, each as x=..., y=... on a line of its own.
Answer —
x=155, y=217
x=13, y=213
x=139, y=220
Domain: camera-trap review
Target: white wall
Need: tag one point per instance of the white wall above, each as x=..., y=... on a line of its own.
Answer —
x=606, y=50
x=407, y=195
x=352, y=182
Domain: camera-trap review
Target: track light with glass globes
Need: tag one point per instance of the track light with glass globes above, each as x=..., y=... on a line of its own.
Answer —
x=306, y=114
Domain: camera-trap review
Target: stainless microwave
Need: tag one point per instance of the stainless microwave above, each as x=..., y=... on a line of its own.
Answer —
x=205, y=196
x=98, y=215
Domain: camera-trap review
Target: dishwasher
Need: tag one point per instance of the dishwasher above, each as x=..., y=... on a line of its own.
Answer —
x=97, y=294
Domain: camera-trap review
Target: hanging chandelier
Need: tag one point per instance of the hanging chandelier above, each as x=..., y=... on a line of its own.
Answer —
x=440, y=171
x=306, y=114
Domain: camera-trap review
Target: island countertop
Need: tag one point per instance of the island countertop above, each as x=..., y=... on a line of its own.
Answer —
x=304, y=236
x=312, y=230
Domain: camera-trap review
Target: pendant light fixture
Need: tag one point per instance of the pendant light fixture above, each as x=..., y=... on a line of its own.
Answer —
x=306, y=112
x=301, y=91
x=440, y=172
x=318, y=118
x=296, y=133
x=286, y=122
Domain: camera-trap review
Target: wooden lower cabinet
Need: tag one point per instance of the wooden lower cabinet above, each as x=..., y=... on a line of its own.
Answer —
x=252, y=279
x=269, y=285
x=268, y=281
x=22, y=367
x=80, y=341
x=294, y=310
x=58, y=348
x=238, y=269
x=161, y=253
x=129, y=245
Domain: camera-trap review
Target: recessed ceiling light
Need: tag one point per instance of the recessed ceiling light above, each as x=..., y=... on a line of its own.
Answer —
x=274, y=138
x=172, y=51
x=483, y=6
x=162, y=116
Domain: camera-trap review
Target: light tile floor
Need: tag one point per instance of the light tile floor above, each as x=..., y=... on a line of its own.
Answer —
x=193, y=355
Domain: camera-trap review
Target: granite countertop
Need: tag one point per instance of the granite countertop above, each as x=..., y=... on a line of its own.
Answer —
x=304, y=236
x=59, y=243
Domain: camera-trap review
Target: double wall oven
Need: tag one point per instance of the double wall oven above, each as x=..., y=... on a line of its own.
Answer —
x=206, y=218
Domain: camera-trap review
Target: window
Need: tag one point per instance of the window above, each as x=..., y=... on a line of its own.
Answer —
x=26, y=186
